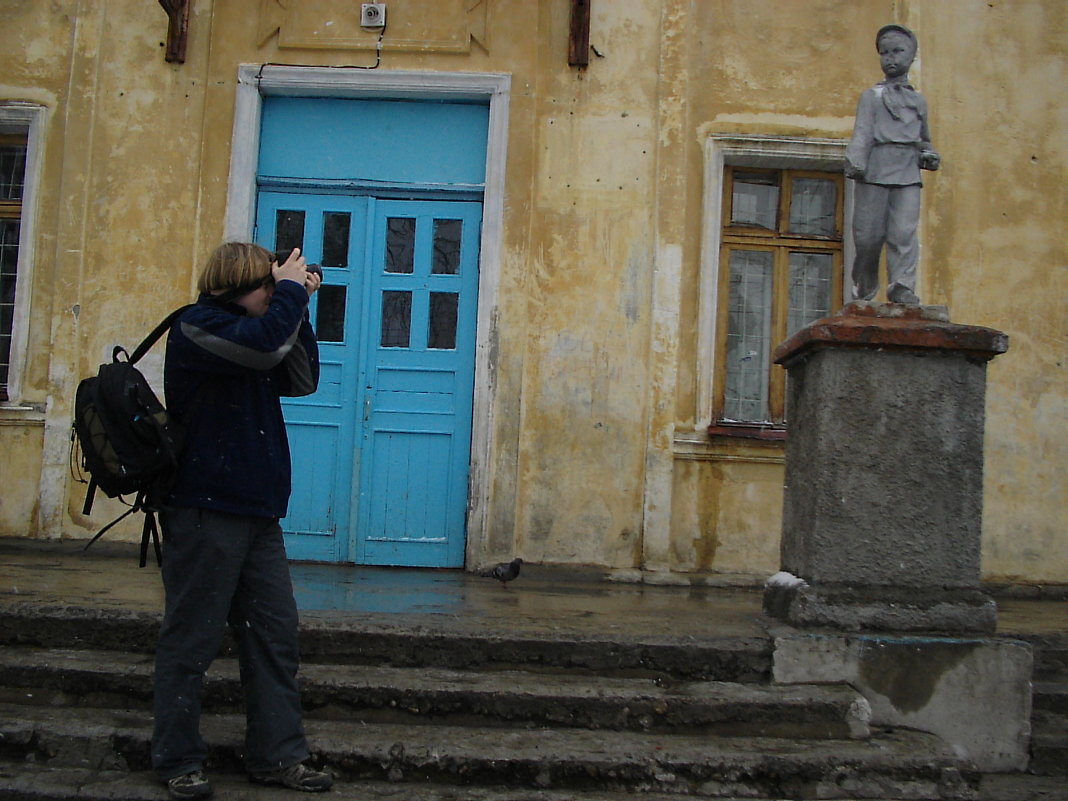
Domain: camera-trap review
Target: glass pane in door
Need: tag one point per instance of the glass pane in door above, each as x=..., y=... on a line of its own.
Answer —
x=396, y=319
x=336, y=225
x=330, y=316
x=289, y=229
x=443, y=308
x=400, y=245
x=446, y=259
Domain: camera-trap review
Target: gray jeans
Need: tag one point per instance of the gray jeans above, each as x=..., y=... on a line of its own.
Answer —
x=218, y=569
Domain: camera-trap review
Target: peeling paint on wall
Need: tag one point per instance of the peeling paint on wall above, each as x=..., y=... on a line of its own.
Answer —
x=595, y=348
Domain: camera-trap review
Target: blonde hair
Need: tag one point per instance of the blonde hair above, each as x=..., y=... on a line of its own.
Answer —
x=234, y=264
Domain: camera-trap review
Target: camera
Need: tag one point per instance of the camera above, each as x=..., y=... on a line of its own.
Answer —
x=280, y=256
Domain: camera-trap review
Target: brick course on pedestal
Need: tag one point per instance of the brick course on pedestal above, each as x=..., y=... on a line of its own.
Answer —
x=884, y=471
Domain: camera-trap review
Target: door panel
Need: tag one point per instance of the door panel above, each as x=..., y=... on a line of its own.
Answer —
x=419, y=382
x=329, y=230
x=381, y=451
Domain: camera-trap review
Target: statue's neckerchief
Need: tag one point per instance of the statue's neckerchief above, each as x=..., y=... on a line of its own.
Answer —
x=898, y=95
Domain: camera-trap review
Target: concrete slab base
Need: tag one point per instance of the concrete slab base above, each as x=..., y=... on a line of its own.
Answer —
x=891, y=609
x=974, y=693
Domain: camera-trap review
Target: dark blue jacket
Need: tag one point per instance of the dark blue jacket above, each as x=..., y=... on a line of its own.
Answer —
x=223, y=377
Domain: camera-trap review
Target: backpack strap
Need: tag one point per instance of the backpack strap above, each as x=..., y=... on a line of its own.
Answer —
x=90, y=494
x=150, y=527
x=106, y=528
x=155, y=334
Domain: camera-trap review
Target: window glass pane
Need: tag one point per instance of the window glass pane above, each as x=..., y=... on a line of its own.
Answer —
x=336, y=226
x=447, y=246
x=9, y=255
x=400, y=244
x=330, y=318
x=12, y=171
x=5, y=353
x=756, y=200
x=289, y=230
x=812, y=207
x=748, y=336
x=396, y=319
x=810, y=289
x=443, y=307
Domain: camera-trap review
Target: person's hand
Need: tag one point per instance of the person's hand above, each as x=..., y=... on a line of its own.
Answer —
x=292, y=269
x=929, y=160
x=313, y=281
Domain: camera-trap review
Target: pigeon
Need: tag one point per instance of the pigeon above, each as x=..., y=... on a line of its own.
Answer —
x=504, y=572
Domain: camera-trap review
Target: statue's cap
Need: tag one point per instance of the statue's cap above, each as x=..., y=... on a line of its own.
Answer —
x=894, y=28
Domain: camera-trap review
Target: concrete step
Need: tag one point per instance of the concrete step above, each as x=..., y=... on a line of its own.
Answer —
x=1050, y=696
x=38, y=783
x=69, y=677
x=901, y=764
x=1049, y=729
x=1050, y=654
x=1049, y=745
x=21, y=781
x=448, y=644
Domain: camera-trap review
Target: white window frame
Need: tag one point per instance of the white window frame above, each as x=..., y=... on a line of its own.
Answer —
x=772, y=152
x=26, y=119
x=255, y=81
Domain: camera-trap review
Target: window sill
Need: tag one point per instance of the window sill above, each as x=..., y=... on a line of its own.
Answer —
x=765, y=433
x=15, y=414
x=704, y=446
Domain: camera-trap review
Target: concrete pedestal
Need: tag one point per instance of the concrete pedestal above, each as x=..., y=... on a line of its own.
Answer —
x=974, y=693
x=884, y=472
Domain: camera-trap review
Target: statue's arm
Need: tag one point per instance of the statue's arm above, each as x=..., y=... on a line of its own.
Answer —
x=863, y=136
x=929, y=158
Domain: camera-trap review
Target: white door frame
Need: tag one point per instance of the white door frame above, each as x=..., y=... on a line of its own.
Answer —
x=254, y=81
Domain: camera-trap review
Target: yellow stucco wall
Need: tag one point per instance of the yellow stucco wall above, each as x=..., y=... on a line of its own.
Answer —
x=21, y=446
x=596, y=345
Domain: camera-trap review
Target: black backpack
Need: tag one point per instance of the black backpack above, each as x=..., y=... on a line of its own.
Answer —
x=129, y=444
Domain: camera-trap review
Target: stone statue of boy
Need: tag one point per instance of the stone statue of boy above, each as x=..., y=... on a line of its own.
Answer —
x=891, y=143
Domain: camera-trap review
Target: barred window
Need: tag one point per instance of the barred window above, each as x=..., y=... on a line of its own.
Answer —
x=781, y=251
x=12, y=184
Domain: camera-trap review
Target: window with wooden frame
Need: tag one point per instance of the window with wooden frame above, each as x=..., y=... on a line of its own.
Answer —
x=781, y=269
x=12, y=183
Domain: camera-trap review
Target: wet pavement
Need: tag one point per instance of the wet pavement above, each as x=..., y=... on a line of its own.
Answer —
x=388, y=610
x=543, y=599
x=552, y=600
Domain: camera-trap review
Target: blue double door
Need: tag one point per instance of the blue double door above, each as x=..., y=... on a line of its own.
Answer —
x=381, y=451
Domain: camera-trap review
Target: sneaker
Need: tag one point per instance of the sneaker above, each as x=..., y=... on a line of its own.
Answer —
x=295, y=777
x=190, y=785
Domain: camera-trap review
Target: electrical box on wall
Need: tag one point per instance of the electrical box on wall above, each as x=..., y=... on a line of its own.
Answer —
x=373, y=15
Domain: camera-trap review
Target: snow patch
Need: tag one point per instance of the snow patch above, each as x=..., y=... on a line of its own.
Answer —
x=785, y=580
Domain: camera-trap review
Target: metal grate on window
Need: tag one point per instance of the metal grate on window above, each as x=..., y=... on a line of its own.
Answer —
x=755, y=201
x=9, y=255
x=812, y=207
x=748, y=335
x=12, y=171
x=811, y=282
